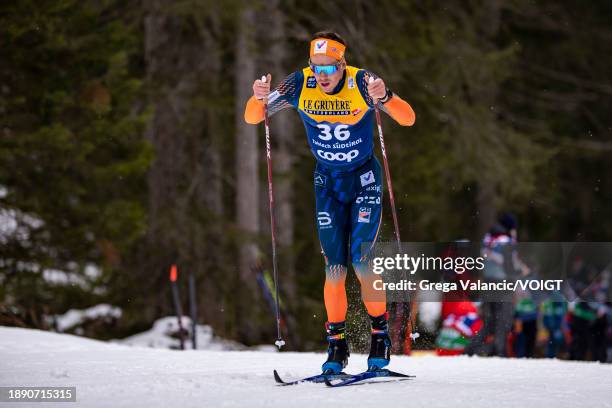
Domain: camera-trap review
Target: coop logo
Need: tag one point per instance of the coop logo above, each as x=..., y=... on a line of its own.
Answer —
x=339, y=156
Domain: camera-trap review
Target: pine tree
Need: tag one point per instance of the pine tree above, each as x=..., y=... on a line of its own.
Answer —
x=72, y=155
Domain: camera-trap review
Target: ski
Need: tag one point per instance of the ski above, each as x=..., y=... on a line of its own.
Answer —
x=319, y=378
x=366, y=375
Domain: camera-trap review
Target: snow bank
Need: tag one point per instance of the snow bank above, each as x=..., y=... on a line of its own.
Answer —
x=165, y=331
x=75, y=317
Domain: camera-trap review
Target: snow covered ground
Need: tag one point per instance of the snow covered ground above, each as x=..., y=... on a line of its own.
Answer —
x=108, y=374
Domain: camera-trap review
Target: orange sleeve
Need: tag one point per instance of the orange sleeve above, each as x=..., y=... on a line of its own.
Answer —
x=400, y=111
x=254, y=112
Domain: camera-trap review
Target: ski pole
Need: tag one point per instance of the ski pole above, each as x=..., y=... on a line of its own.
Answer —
x=387, y=172
x=193, y=307
x=177, y=303
x=279, y=341
x=381, y=137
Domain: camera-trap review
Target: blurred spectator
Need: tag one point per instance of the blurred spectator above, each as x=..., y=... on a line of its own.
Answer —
x=460, y=322
x=554, y=309
x=501, y=263
x=588, y=311
x=525, y=326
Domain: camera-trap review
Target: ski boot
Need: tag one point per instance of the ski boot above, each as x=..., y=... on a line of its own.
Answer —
x=380, y=347
x=338, y=349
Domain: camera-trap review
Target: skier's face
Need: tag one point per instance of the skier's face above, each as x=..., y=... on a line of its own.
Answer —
x=328, y=82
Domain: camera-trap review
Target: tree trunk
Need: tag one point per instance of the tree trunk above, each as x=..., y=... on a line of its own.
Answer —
x=247, y=179
x=486, y=199
x=185, y=196
x=247, y=172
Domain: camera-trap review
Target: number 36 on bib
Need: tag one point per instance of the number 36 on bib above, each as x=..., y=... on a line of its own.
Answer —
x=340, y=132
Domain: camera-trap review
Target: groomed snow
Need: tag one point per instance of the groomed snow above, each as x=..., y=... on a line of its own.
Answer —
x=120, y=376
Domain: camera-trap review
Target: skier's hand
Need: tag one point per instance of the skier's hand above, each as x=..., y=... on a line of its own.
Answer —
x=377, y=89
x=261, y=90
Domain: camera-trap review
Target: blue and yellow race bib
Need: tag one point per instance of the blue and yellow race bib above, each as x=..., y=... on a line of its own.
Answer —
x=339, y=126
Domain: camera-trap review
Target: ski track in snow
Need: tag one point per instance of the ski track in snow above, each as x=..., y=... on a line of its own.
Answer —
x=107, y=374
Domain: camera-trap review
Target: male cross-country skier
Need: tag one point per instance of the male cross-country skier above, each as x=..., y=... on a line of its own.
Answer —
x=336, y=104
